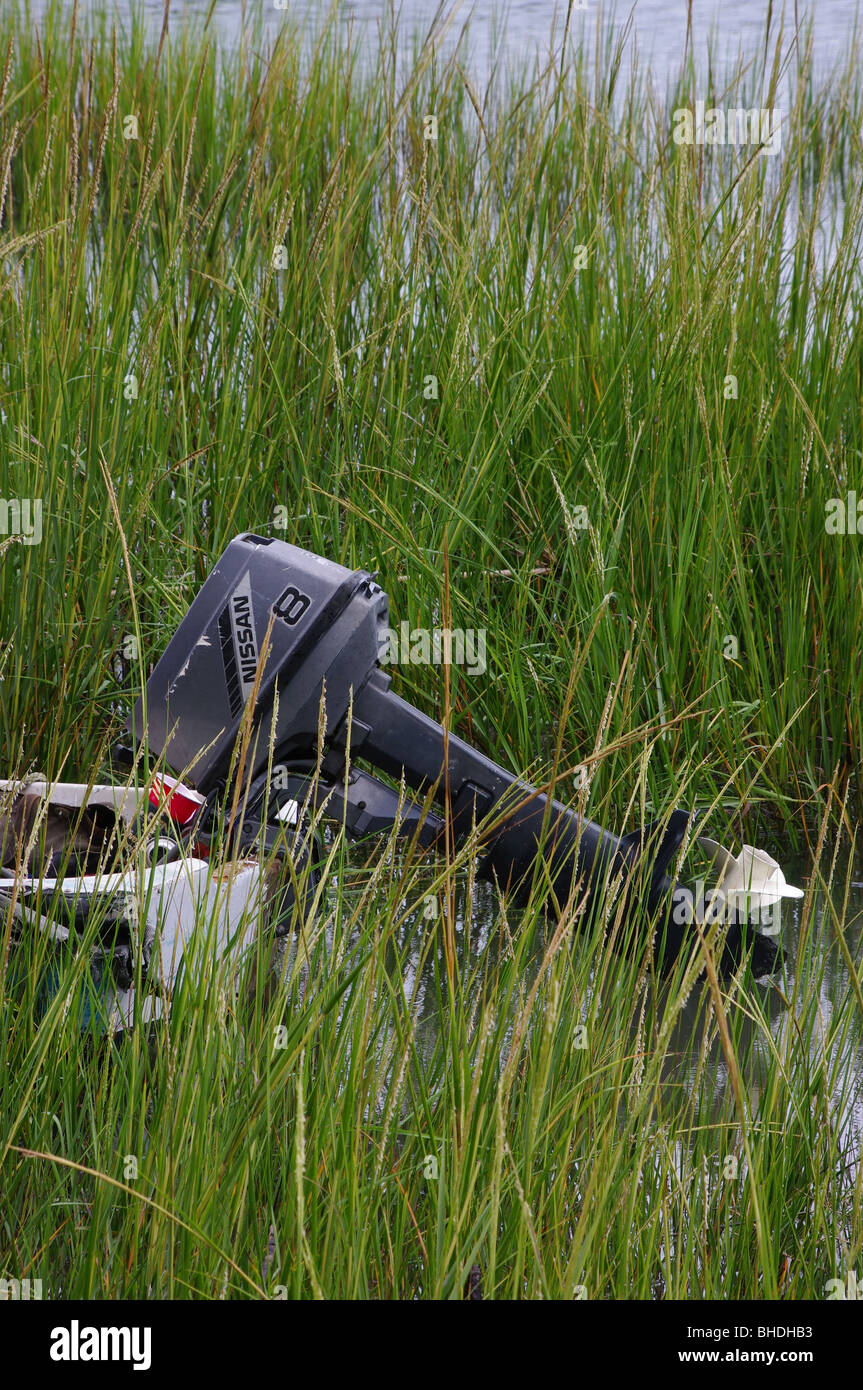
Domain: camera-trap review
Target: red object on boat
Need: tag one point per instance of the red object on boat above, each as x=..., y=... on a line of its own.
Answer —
x=182, y=803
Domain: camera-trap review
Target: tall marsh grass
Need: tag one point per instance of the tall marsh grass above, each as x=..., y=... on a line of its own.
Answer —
x=277, y=306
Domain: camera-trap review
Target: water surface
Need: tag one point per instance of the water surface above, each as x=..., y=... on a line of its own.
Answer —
x=655, y=30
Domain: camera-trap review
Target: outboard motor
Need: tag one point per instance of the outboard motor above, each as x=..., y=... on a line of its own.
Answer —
x=301, y=636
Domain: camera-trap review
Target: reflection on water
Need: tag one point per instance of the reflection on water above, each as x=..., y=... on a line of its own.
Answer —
x=770, y=1018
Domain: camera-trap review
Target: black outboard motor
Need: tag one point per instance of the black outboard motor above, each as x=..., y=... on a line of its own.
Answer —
x=323, y=626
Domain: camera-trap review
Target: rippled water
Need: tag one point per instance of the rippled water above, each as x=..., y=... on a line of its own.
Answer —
x=526, y=27
x=812, y=961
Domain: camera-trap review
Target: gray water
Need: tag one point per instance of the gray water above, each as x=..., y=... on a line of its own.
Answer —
x=655, y=31
x=811, y=962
